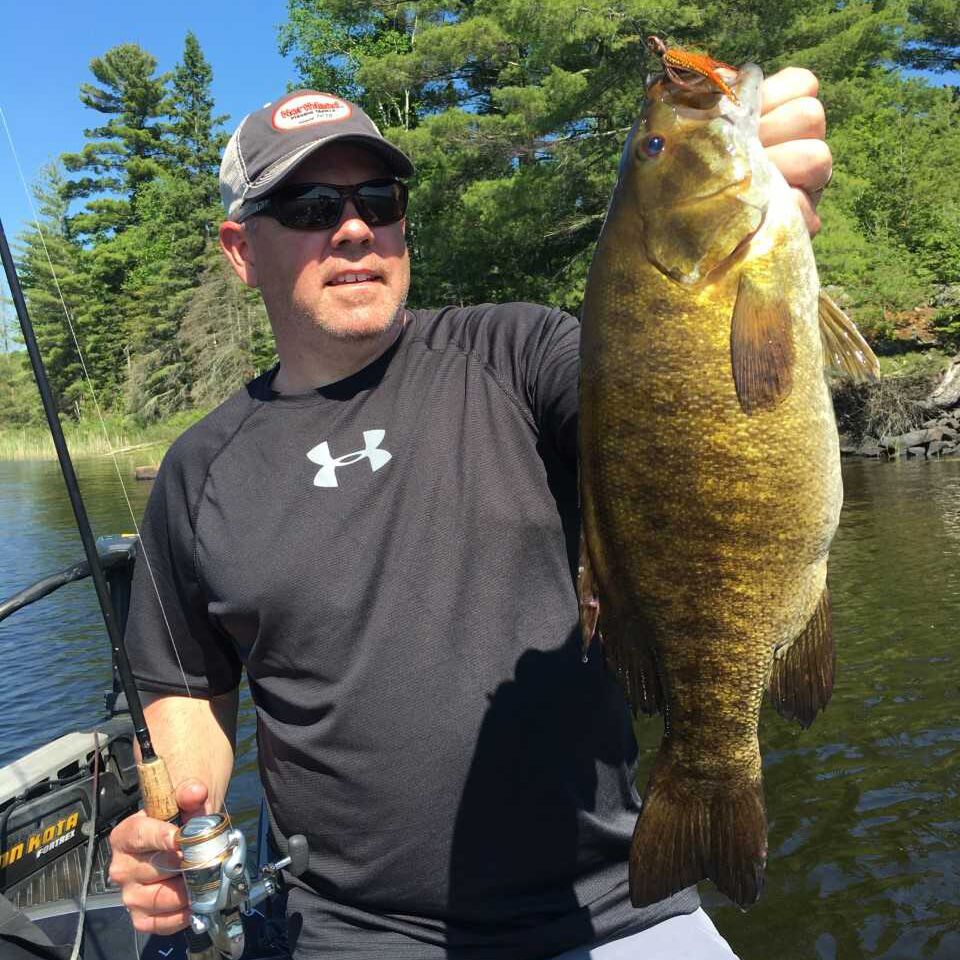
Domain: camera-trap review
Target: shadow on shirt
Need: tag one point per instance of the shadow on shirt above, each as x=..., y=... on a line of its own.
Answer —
x=534, y=835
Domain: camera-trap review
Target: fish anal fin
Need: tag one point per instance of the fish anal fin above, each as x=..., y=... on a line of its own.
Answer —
x=845, y=352
x=683, y=837
x=801, y=680
x=761, y=346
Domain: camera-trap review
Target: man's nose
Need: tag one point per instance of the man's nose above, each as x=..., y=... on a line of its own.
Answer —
x=351, y=228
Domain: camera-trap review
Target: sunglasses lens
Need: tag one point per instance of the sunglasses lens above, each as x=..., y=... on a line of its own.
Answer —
x=381, y=203
x=316, y=210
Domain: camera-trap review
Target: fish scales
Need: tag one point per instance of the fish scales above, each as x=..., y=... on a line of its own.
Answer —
x=710, y=485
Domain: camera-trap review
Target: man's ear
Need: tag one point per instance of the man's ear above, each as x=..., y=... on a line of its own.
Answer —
x=237, y=248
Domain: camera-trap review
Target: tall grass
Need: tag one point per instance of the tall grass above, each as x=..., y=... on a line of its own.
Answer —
x=90, y=438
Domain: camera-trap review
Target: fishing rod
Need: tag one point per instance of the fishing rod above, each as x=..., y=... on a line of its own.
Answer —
x=159, y=799
x=219, y=885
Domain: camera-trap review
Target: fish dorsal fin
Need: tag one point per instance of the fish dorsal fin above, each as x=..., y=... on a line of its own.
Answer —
x=845, y=352
x=761, y=346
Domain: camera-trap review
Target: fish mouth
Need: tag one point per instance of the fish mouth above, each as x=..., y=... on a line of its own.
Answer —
x=699, y=98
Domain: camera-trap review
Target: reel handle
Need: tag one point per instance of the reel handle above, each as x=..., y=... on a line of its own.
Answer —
x=298, y=853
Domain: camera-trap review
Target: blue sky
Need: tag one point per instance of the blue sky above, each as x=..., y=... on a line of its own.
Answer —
x=48, y=46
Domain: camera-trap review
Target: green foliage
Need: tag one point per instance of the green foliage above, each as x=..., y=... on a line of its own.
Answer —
x=130, y=261
x=515, y=113
x=19, y=398
x=938, y=45
x=53, y=279
x=929, y=364
x=91, y=437
x=946, y=322
x=176, y=217
x=892, y=215
x=121, y=154
x=196, y=143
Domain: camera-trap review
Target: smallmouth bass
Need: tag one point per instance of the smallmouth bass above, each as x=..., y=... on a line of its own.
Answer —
x=709, y=471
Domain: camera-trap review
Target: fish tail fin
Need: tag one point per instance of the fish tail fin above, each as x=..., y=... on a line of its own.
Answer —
x=682, y=837
x=801, y=681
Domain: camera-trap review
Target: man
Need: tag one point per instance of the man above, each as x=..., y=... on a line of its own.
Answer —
x=382, y=532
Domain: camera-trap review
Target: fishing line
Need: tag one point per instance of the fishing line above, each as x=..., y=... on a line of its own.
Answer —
x=96, y=402
x=93, y=394
x=91, y=844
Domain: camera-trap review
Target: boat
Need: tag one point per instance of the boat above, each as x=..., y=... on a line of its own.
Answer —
x=59, y=803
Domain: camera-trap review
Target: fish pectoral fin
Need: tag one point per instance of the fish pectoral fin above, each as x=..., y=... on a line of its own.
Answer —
x=631, y=659
x=761, y=346
x=845, y=352
x=801, y=680
x=588, y=596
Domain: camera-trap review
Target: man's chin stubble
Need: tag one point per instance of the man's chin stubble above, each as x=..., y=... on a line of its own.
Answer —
x=351, y=334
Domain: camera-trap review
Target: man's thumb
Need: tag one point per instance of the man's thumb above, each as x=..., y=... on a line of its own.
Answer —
x=191, y=797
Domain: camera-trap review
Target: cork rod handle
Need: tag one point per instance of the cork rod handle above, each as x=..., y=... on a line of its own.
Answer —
x=159, y=800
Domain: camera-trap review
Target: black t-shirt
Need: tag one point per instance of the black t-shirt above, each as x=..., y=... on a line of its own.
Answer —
x=391, y=559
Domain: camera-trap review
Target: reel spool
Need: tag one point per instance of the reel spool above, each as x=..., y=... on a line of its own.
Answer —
x=208, y=847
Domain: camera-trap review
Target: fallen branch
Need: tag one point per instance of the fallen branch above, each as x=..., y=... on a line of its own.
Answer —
x=135, y=446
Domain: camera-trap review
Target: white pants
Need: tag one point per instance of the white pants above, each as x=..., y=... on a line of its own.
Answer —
x=690, y=937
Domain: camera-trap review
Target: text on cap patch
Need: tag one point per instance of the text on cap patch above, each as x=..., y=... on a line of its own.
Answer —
x=308, y=109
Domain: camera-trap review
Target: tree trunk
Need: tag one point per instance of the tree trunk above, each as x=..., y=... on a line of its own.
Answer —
x=947, y=392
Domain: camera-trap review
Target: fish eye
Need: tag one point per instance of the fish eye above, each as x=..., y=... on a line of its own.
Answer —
x=651, y=146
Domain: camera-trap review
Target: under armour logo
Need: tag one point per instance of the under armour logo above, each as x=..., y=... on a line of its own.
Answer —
x=327, y=474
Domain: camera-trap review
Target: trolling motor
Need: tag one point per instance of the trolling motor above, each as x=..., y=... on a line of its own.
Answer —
x=219, y=885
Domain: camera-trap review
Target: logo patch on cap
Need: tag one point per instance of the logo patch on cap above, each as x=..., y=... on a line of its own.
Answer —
x=308, y=109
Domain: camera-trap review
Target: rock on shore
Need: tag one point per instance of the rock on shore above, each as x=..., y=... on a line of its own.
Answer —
x=935, y=438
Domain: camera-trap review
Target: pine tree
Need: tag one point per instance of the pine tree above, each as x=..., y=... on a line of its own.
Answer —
x=51, y=273
x=196, y=135
x=124, y=152
x=225, y=335
x=8, y=323
x=176, y=218
x=122, y=157
x=938, y=46
x=19, y=400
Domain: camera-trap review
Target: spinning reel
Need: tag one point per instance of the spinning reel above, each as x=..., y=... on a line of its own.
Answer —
x=219, y=885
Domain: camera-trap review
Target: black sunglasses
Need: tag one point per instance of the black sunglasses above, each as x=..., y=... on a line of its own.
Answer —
x=319, y=206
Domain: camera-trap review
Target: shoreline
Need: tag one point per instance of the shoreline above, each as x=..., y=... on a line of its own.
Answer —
x=92, y=440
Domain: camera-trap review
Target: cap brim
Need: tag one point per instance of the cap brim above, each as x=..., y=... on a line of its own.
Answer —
x=398, y=162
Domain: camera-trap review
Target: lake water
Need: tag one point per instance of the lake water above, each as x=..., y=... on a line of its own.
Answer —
x=864, y=807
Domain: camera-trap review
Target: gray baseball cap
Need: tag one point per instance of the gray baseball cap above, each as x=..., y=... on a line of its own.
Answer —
x=271, y=142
